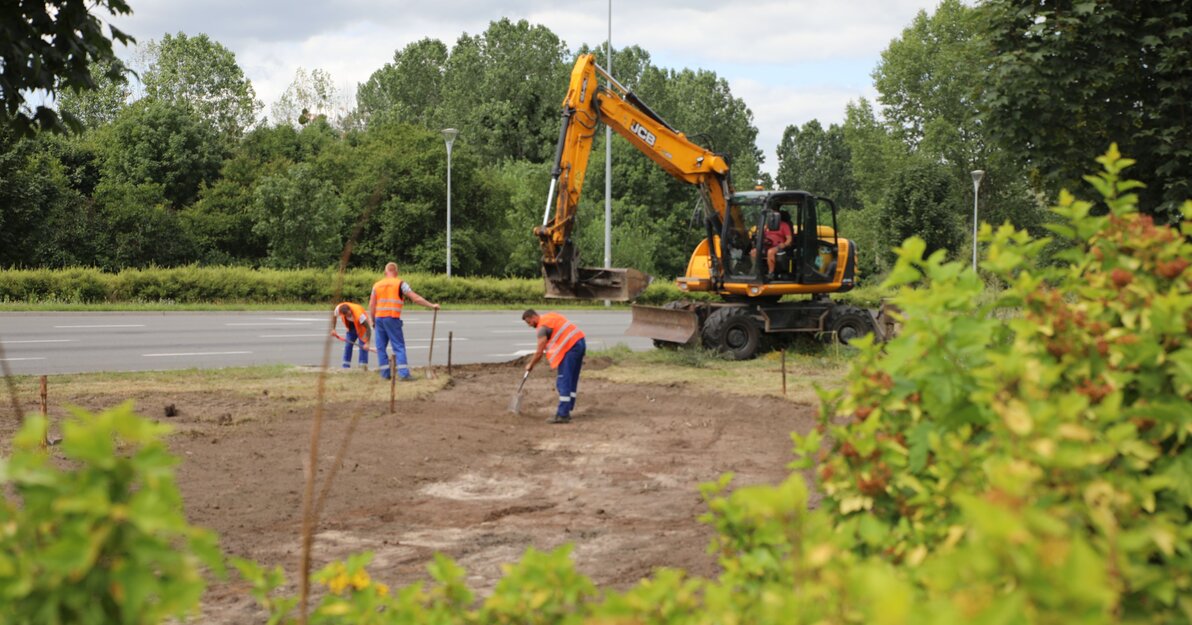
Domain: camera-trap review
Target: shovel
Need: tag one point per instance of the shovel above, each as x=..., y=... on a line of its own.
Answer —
x=515, y=403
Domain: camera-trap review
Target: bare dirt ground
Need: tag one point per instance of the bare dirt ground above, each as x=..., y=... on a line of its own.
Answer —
x=456, y=472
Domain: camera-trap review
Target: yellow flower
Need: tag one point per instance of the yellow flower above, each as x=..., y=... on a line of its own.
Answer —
x=360, y=580
x=338, y=584
x=382, y=589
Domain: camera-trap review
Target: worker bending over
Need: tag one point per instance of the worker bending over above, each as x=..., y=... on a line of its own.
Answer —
x=357, y=328
x=384, y=308
x=564, y=346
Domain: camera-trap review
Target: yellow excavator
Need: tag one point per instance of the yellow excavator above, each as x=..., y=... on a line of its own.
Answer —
x=749, y=318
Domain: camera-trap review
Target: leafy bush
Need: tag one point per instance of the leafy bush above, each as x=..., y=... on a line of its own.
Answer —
x=105, y=541
x=1038, y=466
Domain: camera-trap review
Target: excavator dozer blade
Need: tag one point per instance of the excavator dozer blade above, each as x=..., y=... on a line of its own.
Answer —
x=664, y=324
x=617, y=285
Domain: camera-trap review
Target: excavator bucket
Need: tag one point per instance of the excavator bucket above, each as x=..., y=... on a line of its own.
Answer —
x=617, y=285
x=673, y=325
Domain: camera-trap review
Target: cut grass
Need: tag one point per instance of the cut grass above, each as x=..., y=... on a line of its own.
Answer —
x=702, y=370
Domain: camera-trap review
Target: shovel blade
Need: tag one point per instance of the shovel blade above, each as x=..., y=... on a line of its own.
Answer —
x=515, y=403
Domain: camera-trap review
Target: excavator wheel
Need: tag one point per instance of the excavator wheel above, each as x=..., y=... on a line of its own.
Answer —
x=847, y=323
x=734, y=332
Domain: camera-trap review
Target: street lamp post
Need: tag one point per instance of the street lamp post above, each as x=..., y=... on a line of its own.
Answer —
x=977, y=175
x=449, y=135
x=608, y=158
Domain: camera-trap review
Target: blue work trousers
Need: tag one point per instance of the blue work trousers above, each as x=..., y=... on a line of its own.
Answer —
x=567, y=381
x=351, y=339
x=389, y=333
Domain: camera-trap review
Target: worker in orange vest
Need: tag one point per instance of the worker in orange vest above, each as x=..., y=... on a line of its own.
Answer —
x=384, y=308
x=357, y=330
x=564, y=346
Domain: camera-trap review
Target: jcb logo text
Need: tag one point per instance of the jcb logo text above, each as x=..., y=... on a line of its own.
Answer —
x=645, y=135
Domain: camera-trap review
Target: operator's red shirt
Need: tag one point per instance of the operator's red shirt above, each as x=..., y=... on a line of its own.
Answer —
x=778, y=237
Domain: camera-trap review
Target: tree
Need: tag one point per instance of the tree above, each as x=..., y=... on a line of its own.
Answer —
x=876, y=154
x=931, y=84
x=502, y=89
x=203, y=74
x=1066, y=79
x=299, y=214
x=928, y=82
x=921, y=203
x=96, y=107
x=165, y=144
x=51, y=45
x=409, y=89
x=819, y=161
x=308, y=97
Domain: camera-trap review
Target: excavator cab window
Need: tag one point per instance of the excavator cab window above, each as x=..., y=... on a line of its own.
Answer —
x=751, y=207
x=815, y=250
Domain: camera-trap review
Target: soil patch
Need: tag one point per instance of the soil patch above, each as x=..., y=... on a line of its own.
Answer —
x=456, y=472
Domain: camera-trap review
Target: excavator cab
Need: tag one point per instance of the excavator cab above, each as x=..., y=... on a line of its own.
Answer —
x=814, y=253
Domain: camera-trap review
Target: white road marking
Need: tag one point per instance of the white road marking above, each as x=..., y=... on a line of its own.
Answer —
x=304, y=320
x=518, y=353
x=525, y=331
x=268, y=323
x=39, y=341
x=195, y=354
x=15, y=359
x=440, y=339
x=288, y=336
x=107, y=325
x=525, y=345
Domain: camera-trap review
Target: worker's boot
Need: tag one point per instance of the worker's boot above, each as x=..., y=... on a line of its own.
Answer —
x=559, y=419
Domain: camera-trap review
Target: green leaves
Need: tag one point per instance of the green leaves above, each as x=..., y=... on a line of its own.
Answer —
x=1034, y=442
x=54, y=46
x=105, y=541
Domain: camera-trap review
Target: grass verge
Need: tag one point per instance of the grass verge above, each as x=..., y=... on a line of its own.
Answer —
x=807, y=366
x=296, y=386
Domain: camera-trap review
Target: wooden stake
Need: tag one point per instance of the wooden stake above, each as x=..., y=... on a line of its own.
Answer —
x=450, y=337
x=393, y=385
x=784, y=373
x=45, y=411
x=430, y=360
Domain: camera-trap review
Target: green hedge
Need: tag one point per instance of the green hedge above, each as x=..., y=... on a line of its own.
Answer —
x=244, y=285
x=227, y=285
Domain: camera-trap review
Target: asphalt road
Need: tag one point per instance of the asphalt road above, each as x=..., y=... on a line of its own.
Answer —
x=50, y=343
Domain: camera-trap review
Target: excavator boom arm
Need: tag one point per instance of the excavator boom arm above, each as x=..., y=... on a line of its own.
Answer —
x=587, y=104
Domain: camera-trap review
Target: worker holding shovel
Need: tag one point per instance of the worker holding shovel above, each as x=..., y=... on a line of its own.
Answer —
x=384, y=308
x=358, y=329
x=564, y=346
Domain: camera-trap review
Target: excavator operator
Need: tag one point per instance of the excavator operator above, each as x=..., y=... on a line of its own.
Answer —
x=778, y=236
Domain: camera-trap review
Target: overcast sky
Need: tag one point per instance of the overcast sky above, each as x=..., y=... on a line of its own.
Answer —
x=789, y=60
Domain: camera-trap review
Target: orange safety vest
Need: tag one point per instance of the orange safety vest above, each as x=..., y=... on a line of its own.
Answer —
x=389, y=300
x=353, y=322
x=563, y=335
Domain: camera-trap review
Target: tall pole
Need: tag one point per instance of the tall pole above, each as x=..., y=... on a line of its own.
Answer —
x=449, y=135
x=608, y=157
x=977, y=175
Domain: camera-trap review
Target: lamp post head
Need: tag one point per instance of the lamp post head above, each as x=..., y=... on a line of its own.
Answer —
x=449, y=135
x=977, y=174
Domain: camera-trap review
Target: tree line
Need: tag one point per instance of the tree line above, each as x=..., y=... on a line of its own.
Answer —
x=180, y=166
